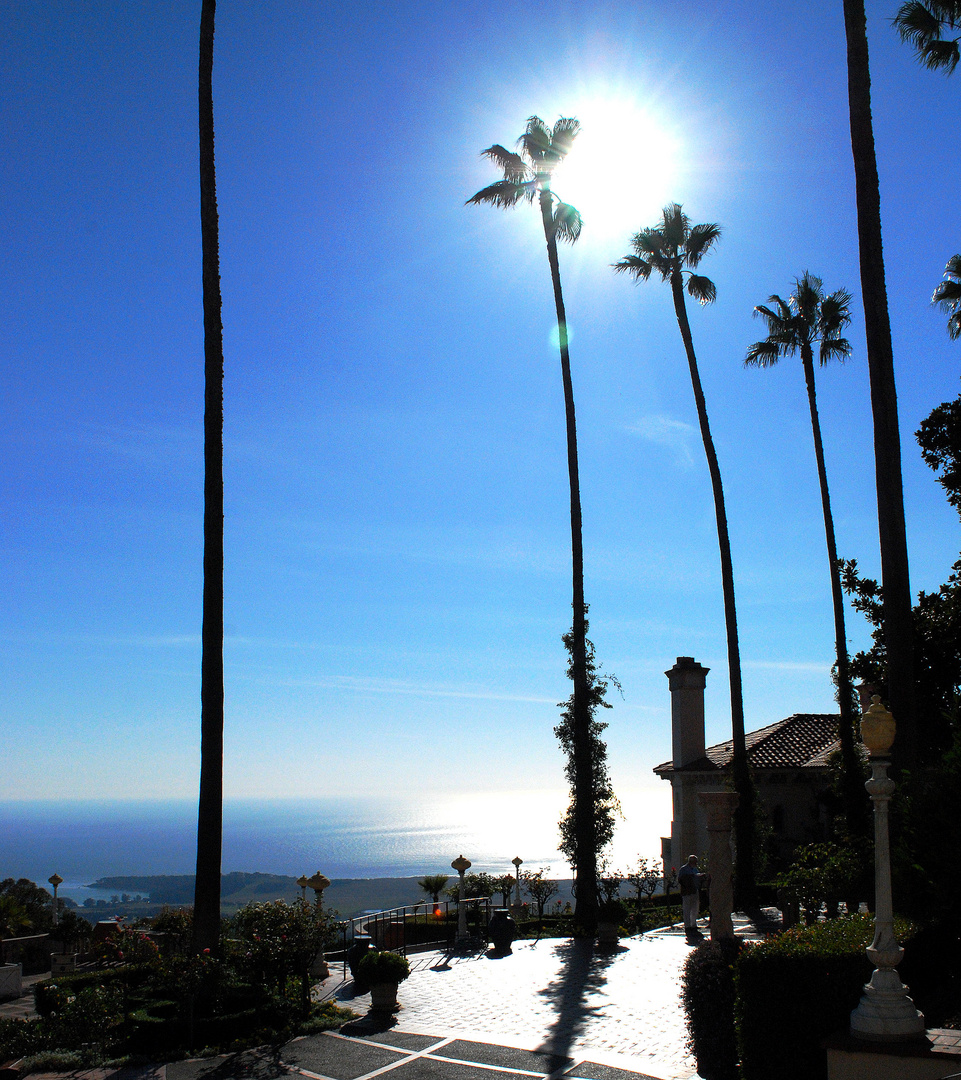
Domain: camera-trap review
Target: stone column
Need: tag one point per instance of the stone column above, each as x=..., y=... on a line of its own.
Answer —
x=719, y=809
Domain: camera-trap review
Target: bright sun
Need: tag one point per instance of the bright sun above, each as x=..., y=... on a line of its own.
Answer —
x=620, y=171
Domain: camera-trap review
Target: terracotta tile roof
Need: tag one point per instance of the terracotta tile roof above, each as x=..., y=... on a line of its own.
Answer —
x=801, y=741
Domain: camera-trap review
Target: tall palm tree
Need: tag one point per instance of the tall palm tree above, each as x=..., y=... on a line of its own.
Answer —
x=210, y=811
x=948, y=295
x=923, y=25
x=898, y=619
x=795, y=325
x=527, y=177
x=674, y=249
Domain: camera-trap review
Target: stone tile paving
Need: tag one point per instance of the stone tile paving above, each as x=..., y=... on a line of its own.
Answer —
x=563, y=997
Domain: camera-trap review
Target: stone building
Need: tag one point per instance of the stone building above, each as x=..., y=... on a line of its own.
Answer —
x=789, y=762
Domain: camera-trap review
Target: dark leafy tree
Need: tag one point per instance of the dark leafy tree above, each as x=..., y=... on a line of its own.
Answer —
x=30, y=906
x=898, y=620
x=928, y=27
x=527, y=177
x=540, y=888
x=948, y=295
x=673, y=249
x=210, y=811
x=808, y=318
x=505, y=886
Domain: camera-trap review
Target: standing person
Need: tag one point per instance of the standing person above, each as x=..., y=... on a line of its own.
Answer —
x=689, y=879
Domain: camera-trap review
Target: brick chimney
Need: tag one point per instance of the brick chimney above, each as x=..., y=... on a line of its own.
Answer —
x=687, y=680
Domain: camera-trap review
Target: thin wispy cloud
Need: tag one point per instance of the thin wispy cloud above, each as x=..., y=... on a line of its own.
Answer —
x=370, y=685
x=665, y=431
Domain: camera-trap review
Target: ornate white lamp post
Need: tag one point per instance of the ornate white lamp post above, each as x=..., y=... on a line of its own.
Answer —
x=56, y=881
x=461, y=865
x=318, y=883
x=302, y=882
x=319, y=969
x=886, y=1012
x=517, y=862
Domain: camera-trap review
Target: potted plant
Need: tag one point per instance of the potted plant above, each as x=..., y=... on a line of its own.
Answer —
x=383, y=972
x=611, y=915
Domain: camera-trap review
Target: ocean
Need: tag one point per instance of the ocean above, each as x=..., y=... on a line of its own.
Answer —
x=343, y=838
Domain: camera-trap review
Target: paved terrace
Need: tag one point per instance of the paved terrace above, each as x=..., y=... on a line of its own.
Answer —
x=554, y=1008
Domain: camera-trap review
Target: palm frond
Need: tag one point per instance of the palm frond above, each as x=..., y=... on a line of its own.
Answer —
x=940, y=53
x=948, y=296
x=513, y=165
x=504, y=194
x=567, y=222
x=562, y=137
x=701, y=288
x=763, y=354
x=699, y=241
x=674, y=226
x=834, y=348
x=776, y=320
x=648, y=242
x=640, y=269
x=807, y=296
x=922, y=25
x=535, y=144
x=835, y=314
x=916, y=23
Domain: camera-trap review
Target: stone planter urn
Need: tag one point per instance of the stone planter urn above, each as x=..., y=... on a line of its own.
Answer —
x=611, y=916
x=383, y=998
x=502, y=930
x=608, y=933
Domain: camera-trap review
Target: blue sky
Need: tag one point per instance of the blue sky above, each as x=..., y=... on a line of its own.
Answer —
x=397, y=538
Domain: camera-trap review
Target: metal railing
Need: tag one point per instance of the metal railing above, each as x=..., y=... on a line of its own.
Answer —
x=418, y=926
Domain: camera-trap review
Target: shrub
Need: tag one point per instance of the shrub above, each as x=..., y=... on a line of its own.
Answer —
x=19, y=1038
x=707, y=991
x=796, y=989
x=378, y=968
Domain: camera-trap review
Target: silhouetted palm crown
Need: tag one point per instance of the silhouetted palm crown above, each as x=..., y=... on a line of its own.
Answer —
x=527, y=175
x=923, y=25
x=672, y=249
x=948, y=295
x=806, y=317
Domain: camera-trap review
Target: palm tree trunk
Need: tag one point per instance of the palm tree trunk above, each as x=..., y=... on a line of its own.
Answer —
x=898, y=621
x=585, y=909
x=210, y=811
x=744, y=814
x=852, y=781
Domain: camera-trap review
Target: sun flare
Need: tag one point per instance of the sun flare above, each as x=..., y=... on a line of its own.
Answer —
x=621, y=169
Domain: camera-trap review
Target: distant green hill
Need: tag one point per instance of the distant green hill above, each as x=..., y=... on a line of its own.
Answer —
x=348, y=896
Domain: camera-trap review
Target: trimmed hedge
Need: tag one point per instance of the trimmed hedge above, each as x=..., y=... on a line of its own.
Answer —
x=707, y=991
x=796, y=989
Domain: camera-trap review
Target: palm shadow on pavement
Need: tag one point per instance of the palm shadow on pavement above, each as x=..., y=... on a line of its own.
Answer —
x=583, y=972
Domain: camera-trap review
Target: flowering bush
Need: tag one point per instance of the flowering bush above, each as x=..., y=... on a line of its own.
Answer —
x=280, y=940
